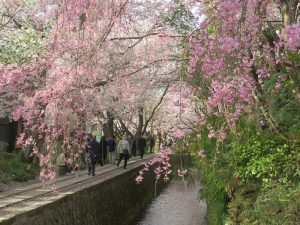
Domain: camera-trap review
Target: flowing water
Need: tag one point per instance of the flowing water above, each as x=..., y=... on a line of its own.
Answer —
x=176, y=206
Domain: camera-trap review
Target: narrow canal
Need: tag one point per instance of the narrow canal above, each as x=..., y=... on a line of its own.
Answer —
x=176, y=206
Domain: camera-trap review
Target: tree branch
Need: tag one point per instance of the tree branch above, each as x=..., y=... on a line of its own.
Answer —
x=124, y=127
x=155, y=109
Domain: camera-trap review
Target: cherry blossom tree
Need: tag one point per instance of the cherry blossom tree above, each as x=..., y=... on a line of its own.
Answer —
x=92, y=58
x=243, y=53
x=109, y=59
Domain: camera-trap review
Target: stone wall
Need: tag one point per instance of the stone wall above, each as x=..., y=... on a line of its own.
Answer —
x=115, y=201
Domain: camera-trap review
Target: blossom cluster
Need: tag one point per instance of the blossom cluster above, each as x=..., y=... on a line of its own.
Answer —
x=232, y=60
x=161, y=166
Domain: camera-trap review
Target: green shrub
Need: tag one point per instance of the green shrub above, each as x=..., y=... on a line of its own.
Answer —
x=13, y=169
x=278, y=204
x=241, y=204
x=215, y=195
x=266, y=159
x=241, y=176
x=283, y=104
x=3, y=146
x=81, y=165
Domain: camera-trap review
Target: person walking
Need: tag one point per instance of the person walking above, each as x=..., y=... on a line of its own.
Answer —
x=133, y=149
x=102, y=150
x=129, y=139
x=142, y=146
x=152, y=143
x=92, y=150
x=123, y=150
x=62, y=164
x=111, y=147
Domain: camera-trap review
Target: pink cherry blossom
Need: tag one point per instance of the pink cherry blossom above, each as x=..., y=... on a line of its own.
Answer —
x=202, y=121
x=278, y=86
x=139, y=179
x=162, y=166
x=103, y=56
x=201, y=154
x=179, y=133
x=181, y=172
x=292, y=36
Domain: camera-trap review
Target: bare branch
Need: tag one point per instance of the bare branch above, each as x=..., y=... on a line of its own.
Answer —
x=143, y=36
x=155, y=109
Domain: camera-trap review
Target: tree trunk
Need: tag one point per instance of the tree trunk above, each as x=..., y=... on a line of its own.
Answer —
x=108, y=127
x=139, y=131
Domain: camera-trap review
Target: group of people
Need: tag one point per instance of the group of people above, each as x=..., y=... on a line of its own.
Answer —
x=126, y=147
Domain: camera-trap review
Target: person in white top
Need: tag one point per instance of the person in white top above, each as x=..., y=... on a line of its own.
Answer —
x=123, y=150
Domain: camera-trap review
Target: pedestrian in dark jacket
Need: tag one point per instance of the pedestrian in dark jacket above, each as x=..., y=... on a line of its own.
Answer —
x=129, y=139
x=111, y=147
x=152, y=143
x=103, y=150
x=133, y=149
x=142, y=146
x=92, y=150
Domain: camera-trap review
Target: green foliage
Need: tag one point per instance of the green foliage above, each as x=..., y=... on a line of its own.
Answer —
x=266, y=159
x=81, y=165
x=180, y=18
x=241, y=203
x=216, y=178
x=20, y=45
x=283, y=103
x=268, y=170
x=278, y=204
x=3, y=146
x=241, y=176
x=214, y=192
x=13, y=169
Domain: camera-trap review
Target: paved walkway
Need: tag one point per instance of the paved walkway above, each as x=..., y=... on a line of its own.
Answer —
x=23, y=199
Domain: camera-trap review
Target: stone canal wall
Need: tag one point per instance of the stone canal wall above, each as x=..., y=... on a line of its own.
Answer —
x=113, y=200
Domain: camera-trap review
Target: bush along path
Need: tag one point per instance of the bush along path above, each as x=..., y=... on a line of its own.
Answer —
x=13, y=169
x=252, y=178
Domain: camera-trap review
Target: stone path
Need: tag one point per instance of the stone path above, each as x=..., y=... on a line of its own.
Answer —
x=22, y=199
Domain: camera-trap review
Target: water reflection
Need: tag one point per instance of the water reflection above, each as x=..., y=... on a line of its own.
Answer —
x=175, y=206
